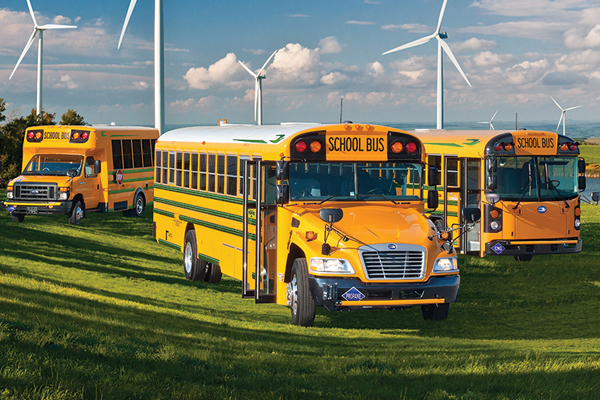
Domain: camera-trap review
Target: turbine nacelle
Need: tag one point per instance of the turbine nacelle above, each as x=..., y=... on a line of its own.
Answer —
x=258, y=76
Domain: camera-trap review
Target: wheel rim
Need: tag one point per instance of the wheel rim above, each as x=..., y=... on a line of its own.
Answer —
x=188, y=258
x=292, y=295
x=139, y=206
x=78, y=213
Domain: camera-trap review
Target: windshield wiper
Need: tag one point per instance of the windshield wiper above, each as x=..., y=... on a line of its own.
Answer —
x=378, y=195
x=560, y=197
x=527, y=187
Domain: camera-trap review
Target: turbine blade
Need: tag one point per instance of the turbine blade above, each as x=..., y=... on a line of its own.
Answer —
x=572, y=108
x=555, y=102
x=54, y=26
x=494, y=116
x=129, y=12
x=265, y=64
x=31, y=12
x=492, y=127
x=248, y=69
x=560, y=120
x=27, y=46
x=449, y=52
x=439, y=25
x=411, y=44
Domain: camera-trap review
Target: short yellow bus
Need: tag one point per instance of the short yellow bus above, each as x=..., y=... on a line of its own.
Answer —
x=72, y=170
x=525, y=182
x=305, y=215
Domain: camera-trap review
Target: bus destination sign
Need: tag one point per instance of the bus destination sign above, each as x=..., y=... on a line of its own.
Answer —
x=356, y=147
x=535, y=143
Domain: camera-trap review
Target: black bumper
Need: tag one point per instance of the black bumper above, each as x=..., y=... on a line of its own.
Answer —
x=504, y=248
x=329, y=293
x=57, y=207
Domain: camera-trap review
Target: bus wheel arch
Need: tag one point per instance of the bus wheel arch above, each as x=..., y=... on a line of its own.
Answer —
x=299, y=296
x=77, y=210
x=295, y=252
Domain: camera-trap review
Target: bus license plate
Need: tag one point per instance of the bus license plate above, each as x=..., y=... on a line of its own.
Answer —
x=32, y=210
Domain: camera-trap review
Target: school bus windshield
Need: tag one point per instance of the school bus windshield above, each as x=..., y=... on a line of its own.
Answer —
x=354, y=181
x=544, y=178
x=53, y=164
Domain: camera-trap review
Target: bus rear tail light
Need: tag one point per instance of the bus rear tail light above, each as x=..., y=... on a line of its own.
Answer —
x=315, y=146
x=84, y=135
x=504, y=146
x=573, y=146
x=301, y=146
x=35, y=136
x=411, y=147
x=79, y=136
x=397, y=147
x=30, y=135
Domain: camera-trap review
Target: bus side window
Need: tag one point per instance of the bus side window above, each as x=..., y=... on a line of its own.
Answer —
x=436, y=161
x=137, y=154
x=158, y=169
x=117, y=154
x=127, y=154
x=212, y=160
x=89, y=168
x=179, y=165
x=221, y=173
x=147, y=153
x=186, y=169
x=165, y=167
x=171, y=168
x=452, y=171
x=195, y=171
x=232, y=175
x=203, y=171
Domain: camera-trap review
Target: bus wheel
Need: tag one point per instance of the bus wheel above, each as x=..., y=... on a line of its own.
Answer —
x=76, y=213
x=436, y=312
x=523, y=257
x=194, y=269
x=299, y=297
x=139, y=205
x=17, y=217
x=214, y=274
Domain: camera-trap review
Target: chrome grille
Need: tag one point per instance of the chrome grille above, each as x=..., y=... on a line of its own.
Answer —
x=394, y=264
x=35, y=191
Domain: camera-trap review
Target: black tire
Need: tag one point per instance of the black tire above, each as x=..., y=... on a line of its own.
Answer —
x=17, y=217
x=193, y=268
x=524, y=257
x=139, y=205
x=214, y=274
x=436, y=312
x=299, y=296
x=77, y=212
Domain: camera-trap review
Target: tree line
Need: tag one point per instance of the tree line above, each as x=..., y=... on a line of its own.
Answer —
x=12, y=134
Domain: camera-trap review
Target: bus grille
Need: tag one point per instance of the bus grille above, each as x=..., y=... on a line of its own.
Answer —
x=403, y=264
x=35, y=191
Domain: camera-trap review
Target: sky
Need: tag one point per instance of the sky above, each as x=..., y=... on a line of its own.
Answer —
x=516, y=54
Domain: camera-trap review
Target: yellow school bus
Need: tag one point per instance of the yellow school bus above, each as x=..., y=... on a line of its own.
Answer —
x=525, y=182
x=72, y=170
x=305, y=215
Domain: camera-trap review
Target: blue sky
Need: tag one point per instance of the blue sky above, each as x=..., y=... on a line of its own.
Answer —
x=515, y=53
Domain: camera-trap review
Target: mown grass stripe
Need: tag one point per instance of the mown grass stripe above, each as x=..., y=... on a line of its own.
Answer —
x=162, y=241
x=206, y=195
x=220, y=228
x=203, y=210
x=163, y=212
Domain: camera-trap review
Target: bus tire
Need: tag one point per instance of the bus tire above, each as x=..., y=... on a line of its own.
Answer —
x=194, y=268
x=301, y=302
x=139, y=205
x=77, y=212
x=436, y=312
x=523, y=257
x=17, y=217
x=213, y=274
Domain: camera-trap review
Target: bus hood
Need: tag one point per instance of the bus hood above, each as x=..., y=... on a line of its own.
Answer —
x=60, y=180
x=384, y=224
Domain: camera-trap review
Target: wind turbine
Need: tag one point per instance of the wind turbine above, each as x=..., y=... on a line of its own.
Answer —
x=258, y=89
x=38, y=30
x=563, y=117
x=159, y=61
x=440, y=75
x=490, y=121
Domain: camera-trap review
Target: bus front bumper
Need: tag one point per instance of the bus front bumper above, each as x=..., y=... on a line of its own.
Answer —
x=343, y=294
x=532, y=247
x=42, y=208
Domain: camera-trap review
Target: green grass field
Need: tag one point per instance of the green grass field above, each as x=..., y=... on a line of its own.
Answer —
x=100, y=311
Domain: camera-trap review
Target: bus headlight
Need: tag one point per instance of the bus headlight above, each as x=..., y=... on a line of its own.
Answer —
x=9, y=195
x=330, y=266
x=63, y=196
x=577, y=223
x=445, y=265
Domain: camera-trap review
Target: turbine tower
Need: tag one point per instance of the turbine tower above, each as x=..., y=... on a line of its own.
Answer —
x=563, y=117
x=159, y=61
x=258, y=89
x=490, y=121
x=442, y=46
x=38, y=30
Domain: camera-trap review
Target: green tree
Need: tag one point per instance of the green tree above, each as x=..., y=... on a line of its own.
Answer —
x=71, y=117
x=2, y=109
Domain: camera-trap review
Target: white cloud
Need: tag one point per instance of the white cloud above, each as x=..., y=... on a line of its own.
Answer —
x=329, y=45
x=520, y=8
x=375, y=69
x=360, y=23
x=67, y=81
x=474, y=44
x=527, y=72
x=413, y=28
x=577, y=38
x=295, y=64
x=333, y=78
x=489, y=59
x=220, y=72
x=61, y=20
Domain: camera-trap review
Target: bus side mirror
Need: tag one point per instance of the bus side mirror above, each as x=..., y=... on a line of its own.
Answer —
x=582, y=183
x=432, y=199
x=492, y=182
x=596, y=196
x=492, y=198
x=331, y=215
x=581, y=165
x=72, y=173
x=283, y=194
x=432, y=177
x=97, y=166
x=471, y=214
x=490, y=165
x=282, y=170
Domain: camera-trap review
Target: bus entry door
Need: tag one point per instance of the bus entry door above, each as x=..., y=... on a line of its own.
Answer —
x=259, y=190
x=471, y=197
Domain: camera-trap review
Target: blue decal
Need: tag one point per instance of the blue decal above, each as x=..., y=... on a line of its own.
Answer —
x=353, y=295
x=542, y=209
x=498, y=248
x=10, y=208
x=392, y=246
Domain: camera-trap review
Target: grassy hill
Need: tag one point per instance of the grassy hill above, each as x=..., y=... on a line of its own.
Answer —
x=100, y=311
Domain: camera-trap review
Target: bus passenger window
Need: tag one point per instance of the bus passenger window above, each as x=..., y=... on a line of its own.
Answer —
x=436, y=161
x=195, y=171
x=147, y=152
x=165, y=167
x=186, y=169
x=202, y=171
x=171, y=167
x=158, y=171
x=231, y=175
x=117, y=154
x=212, y=159
x=137, y=154
x=179, y=165
x=127, y=154
x=452, y=172
x=221, y=174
